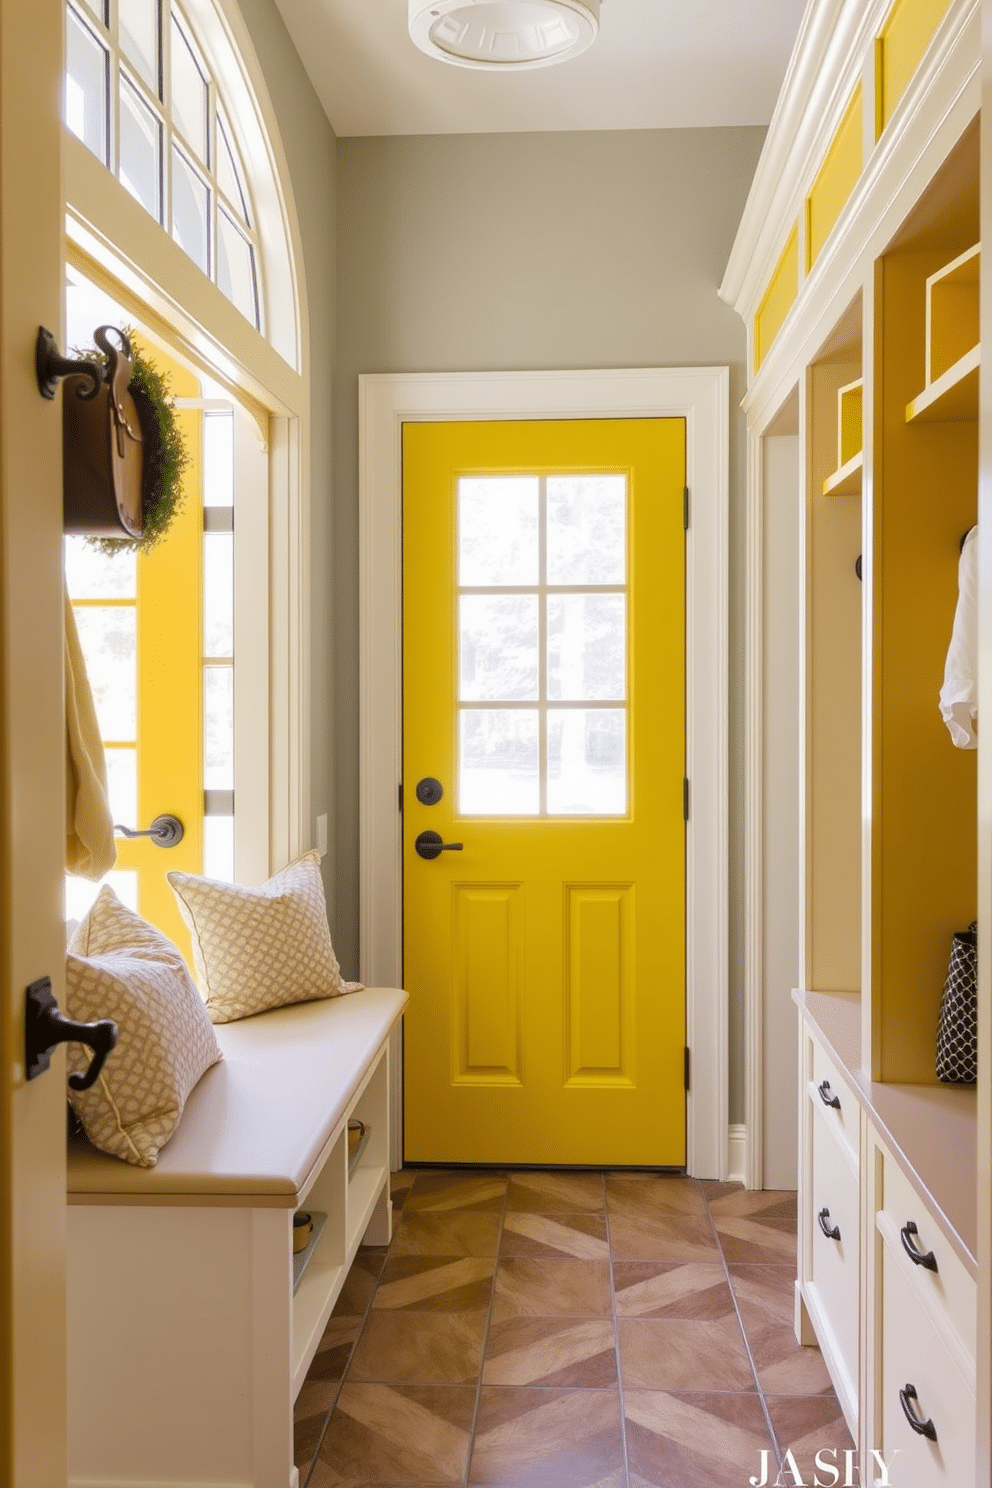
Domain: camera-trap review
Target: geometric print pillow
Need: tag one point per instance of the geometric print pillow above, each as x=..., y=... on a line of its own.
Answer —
x=260, y=948
x=120, y=967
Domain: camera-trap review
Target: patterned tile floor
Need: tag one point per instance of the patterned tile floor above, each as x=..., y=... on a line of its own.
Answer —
x=569, y=1330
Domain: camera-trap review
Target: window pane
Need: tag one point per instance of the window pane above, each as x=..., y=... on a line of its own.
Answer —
x=190, y=208
x=138, y=31
x=98, y=8
x=107, y=634
x=81, y=892
x=497, y=530
x=497, y=647
x=498, y=762
x=587, y=762
x=218, y=848
x=236, y=267
x=189, y=94
x=587, y=537
x=218, y=594
x=228, y=174
x=141, y=150
x=218, y=728
x=87, y=75
x=218, y=459
x=122, y=786
x=93, y=575
x=586, y=646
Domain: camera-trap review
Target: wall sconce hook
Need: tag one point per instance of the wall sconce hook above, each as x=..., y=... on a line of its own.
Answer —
x=51, y=366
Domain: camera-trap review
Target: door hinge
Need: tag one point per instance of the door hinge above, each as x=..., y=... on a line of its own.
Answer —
x=399, y=796
x=686, y=1067
x=685, y=507
x=685, y=799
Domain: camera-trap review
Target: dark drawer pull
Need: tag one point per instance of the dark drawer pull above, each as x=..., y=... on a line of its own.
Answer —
x=831, y=1231
x=826, y=1097
x=929, y=1260
x=922, y=1428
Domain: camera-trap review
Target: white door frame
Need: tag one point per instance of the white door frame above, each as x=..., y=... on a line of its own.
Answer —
x=700, y=395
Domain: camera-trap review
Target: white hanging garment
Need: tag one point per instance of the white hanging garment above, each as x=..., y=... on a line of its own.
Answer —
x=959, y=694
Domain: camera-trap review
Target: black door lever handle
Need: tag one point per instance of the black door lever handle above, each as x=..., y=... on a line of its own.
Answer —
x=45, y=1026
x=430, y=845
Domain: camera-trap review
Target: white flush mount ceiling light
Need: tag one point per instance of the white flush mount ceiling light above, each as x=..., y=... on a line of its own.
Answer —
x=504, y=35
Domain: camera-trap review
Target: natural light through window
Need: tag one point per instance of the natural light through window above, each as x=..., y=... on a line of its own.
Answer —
x=542, y=645
x=139, y=94
x=107, y=596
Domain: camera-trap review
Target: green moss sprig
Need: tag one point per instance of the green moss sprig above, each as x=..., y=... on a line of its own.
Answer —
x=165, y=456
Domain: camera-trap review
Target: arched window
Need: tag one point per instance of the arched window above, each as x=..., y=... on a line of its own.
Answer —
x=140, y=94
x=178, y=213
x=159, y=93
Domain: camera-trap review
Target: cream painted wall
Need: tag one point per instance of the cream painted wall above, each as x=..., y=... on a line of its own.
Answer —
x=488, y=252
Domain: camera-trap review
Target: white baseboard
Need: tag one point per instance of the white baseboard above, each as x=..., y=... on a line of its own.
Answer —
x=736, y=1145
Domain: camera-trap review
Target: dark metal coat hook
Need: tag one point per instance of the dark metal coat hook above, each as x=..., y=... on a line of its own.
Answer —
x=51, y=365
x=45, y=1026
x=165, y=831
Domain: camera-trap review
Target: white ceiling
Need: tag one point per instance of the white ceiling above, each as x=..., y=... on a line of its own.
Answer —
x=657, y=64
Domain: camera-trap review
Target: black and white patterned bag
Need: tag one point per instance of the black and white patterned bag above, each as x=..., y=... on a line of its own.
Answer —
x=957, y=1027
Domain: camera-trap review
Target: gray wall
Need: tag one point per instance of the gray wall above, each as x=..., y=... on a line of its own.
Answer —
x=513, y=252
x=310, y=146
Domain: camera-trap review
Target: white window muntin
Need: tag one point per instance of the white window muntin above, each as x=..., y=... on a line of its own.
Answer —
x=210, y=155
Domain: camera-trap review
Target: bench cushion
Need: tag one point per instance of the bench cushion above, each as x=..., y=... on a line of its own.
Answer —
x=257, y=1127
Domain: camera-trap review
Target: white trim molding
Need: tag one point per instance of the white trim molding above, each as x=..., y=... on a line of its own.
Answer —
x=737, y=1154
x=700, y=395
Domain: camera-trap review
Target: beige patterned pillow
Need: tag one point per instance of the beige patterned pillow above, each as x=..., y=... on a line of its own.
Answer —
x=120, y=967
x=261, y=948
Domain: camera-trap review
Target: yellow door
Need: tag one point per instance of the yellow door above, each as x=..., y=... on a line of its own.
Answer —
x=139, y=622
x=544, y=707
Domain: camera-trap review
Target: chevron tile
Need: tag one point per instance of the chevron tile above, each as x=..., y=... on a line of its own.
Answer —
x=579, y=1236
x=696, y=1289
x=360, y=1283
x=579, y=1353
x=470, y=1232
x=556, y=1193
x=420, y=1348
x=763, y=1203
x=435, y=1283
x=539, y=1288
x=483, y=1346
x=396, y=1434
x=766, y=1298
x=805, y=1427
x=457, y=1190
x=568, y=1438
x=694, y=1440
x=756, y=1238
x=684, y=1354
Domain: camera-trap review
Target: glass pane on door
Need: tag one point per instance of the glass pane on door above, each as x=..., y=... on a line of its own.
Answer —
x=542, y=617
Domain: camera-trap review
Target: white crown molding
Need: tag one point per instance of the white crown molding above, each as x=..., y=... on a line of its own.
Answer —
x=934, y=113
x=833, y=50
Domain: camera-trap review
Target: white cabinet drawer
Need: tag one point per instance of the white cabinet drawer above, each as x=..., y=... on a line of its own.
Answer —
x=833, y=1222
x=915, y=1360
x=829, y=1090
x=934, y=1272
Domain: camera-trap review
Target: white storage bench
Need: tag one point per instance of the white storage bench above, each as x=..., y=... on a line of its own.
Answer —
x=187, y=1343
